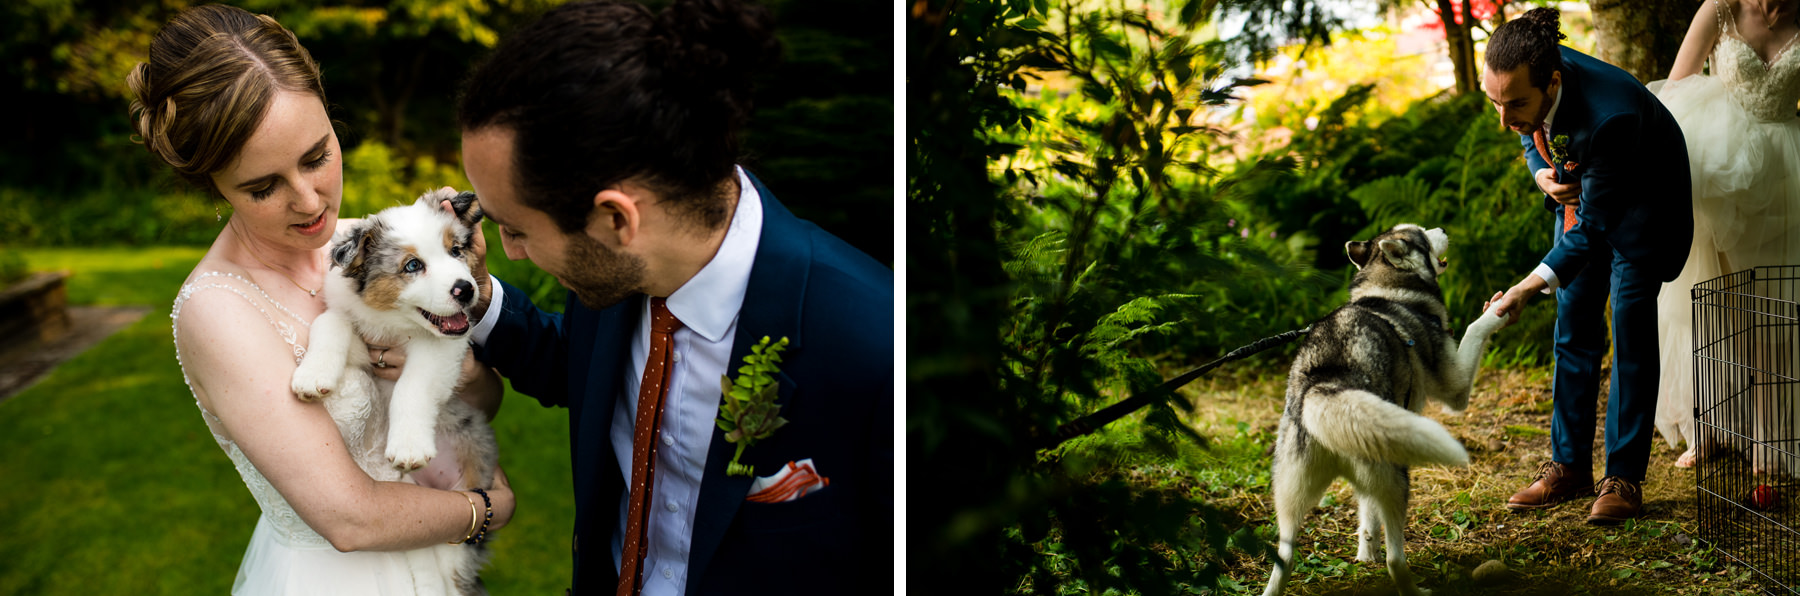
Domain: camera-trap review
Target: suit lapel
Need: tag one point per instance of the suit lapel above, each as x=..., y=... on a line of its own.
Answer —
x=1573, y=117
x=772, y=307
x=612, y=339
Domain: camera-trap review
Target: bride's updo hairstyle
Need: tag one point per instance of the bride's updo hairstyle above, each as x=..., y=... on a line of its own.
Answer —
x=1530, y=39
x=599, y=93
x=213, y=72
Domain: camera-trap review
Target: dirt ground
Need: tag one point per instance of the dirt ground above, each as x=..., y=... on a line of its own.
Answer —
x=1458, y=518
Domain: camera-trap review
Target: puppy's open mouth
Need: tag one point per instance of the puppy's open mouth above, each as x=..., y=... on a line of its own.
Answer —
x=456, y=324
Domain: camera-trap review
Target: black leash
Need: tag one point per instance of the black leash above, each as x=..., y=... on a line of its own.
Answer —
x=1095, y=421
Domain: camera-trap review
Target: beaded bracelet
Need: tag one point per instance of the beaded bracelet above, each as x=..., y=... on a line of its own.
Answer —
x=481, y=535
x=474, y=519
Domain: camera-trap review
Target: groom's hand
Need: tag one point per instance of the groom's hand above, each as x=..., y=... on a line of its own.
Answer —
x=1567, y=194
x=478, y=245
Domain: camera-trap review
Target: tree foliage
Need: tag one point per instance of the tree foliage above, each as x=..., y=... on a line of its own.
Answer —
x=821, y=134
x=1071, y=207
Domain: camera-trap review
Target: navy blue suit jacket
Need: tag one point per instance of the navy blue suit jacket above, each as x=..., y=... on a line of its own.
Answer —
x=1632, y=164
x=836, y=307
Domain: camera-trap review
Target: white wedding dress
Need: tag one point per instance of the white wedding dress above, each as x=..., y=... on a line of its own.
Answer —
x=286, y=556
x=1743, y=144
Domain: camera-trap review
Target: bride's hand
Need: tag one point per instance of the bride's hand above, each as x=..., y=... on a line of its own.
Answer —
x=504, y=501
x=500, y=495
x=478, y=384
x=385, y=361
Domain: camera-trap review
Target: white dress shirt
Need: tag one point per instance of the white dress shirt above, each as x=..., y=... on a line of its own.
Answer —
x=707, y=306
x=1543, y=271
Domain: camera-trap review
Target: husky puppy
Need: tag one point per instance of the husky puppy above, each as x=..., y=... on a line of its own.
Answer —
x=1355, y=390
x=403, y=277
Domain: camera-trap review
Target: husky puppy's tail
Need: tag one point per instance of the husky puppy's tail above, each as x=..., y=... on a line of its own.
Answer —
x=1362, y=425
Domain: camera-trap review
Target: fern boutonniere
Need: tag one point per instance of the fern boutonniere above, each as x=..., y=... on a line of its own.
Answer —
x=1559, y=151
x=749, y=413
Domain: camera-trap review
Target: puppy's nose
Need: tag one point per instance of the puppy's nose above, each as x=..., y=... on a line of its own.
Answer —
x=463, y=291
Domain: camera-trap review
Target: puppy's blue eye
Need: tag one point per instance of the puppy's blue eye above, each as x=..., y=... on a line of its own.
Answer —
x=414, y=265
x=455, y=251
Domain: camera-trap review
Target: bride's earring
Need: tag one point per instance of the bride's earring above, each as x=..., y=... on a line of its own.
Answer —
x=216, y=215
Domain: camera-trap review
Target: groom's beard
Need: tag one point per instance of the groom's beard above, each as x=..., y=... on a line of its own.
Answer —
x=599, y=276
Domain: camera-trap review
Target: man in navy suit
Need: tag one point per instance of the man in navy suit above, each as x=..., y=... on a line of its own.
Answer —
x=1613, y=167
x=602, y=140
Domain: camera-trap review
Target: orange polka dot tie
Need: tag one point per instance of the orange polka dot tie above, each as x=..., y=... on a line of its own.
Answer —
x=643, y=444
x=1540, y=140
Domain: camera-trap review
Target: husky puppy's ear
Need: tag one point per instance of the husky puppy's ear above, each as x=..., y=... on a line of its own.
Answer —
x=1358, y=251
x=1395, y=251
x=467, y=208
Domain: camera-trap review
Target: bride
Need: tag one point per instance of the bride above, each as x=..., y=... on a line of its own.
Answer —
x=233, y=103
x=1743, y=142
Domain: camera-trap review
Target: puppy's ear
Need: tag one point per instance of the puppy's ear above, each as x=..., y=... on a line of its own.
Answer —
x=350, y=250
x=1394, y=251
x=1358, y=251
x=467, y=208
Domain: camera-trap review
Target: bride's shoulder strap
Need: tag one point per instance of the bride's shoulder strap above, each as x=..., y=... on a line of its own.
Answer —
x=225, y=284
x=1722, y=8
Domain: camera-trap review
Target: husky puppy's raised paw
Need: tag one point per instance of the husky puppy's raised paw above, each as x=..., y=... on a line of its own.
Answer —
x=1356, y=389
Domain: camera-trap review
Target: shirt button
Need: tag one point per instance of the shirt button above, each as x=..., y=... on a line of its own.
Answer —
x=675, y=356
x=668, y=573
x=668, y=440
x=671, y=505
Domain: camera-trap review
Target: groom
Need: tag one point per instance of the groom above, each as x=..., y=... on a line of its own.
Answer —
x=611, y=166
x=1613, y=167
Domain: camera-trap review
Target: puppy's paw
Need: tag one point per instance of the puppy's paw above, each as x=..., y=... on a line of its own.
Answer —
x=1485, y=325
x=316, y=382
x=1366, y=553
x=409, y=455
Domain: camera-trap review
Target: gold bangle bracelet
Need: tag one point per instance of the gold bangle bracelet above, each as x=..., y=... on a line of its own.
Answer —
x=474, y=520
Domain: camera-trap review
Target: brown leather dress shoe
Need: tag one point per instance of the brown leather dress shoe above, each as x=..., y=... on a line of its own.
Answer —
x=1554, y=484
x=1620, y=500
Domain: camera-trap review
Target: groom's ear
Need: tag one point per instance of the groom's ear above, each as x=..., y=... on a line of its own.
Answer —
x=617, y=218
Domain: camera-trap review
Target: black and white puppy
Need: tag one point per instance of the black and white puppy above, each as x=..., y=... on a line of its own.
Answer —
x=402, y=277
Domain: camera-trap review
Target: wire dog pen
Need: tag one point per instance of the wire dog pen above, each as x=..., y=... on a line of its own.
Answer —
x=1746, y=401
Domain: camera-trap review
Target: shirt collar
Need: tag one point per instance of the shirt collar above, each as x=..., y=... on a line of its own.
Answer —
x=709, y=302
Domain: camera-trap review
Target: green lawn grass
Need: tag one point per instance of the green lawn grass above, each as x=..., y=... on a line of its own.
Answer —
x=114, y=485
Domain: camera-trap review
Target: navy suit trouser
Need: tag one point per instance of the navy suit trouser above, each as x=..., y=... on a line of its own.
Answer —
x=1581, y=345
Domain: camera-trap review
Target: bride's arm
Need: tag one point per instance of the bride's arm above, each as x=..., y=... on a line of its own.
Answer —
x=242, y=370
x=1701, y=36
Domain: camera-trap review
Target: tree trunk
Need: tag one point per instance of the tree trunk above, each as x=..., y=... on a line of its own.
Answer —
x=1462, y=48
x=1641, y=36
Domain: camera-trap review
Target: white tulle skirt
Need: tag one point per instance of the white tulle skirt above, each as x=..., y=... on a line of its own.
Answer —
x=274, y=566
x=1746, y=193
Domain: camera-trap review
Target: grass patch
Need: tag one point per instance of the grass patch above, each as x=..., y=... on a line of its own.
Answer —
x=1457, y=519
x=118, y=487
x=1514, y=430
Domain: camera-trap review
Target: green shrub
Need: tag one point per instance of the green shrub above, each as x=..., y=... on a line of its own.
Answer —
x=12, y=266
x=1444, y=162
x=375, y=178
x=106, y=216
